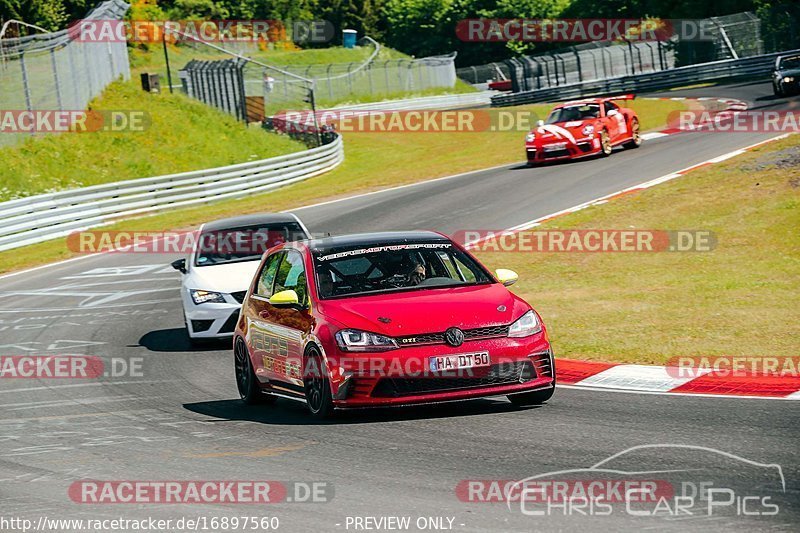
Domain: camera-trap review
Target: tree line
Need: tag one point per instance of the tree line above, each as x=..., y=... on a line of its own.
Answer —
x=427, y=27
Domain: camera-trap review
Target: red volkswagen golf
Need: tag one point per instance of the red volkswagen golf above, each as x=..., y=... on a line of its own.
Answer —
x=386, y=319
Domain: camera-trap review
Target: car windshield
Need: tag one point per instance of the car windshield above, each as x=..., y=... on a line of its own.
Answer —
x=407, y=266
x=573, y=113
x=790, y=62
x=247, y=243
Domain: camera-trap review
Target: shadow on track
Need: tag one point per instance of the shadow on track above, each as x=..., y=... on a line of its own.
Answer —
x=176, y=340
x=288, y=412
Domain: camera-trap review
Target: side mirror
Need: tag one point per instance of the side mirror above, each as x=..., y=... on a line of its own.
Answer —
x=180, y=265
x=540, y=123
x=286, y=298
x=506, y=277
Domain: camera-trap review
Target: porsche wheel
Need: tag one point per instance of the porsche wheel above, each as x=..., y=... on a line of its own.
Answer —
x=317, y=388
x=605, y=144
x=246, y=382
x=636, y=136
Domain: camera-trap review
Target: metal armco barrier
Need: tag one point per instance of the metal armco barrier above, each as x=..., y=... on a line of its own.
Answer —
x=448, y=101
x=48, y=216
x=749, y=67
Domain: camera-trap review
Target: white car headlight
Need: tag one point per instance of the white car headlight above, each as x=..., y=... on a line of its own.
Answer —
x=525, y=326
x=588, y=130
x=788, y=79
x=355, y=340
x=529, y=138
x=200, y=296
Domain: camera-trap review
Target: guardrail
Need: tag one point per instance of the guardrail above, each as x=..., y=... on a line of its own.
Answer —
x=447, y=101
x=48, y=216
x=749, y=67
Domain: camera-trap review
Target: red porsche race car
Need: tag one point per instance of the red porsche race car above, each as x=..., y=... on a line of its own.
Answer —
x=386, y=319
x=583, y=128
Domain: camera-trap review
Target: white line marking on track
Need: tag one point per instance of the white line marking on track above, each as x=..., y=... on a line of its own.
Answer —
x=76, y=385
x=793, y=396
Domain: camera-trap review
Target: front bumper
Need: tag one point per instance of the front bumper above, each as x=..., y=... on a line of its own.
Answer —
x=402, y=376
x=210, y=320
x=539, y=152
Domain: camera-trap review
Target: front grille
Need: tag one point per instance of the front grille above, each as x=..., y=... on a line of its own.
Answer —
x=500, y=374
x=555, y=153
x=199, y=326
x=469, y=335
x=239, y=296
x=230, y=324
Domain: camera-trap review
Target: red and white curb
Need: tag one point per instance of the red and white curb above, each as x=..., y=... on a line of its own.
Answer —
x=619, y=377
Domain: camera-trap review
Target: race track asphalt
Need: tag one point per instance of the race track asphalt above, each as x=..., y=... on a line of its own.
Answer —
x=181, y=420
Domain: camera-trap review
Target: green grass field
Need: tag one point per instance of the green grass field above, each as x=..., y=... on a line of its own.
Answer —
x=739, y=299
x=183, y=135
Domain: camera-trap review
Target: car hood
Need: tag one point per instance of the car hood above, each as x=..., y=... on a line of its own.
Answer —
x=426, y=311
x=561, y=131
x=227, y=278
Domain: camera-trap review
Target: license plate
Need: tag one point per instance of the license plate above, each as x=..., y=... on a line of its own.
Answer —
x=555, y=147
x=459, y=361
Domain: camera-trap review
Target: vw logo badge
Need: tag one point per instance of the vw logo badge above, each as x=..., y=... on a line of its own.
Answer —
x=454, y=337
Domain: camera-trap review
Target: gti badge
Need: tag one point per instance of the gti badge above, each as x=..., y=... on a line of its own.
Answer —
x=454, y=337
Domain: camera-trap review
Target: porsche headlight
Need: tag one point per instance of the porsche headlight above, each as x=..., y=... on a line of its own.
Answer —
x=200, y=297
x=588, y=129
x=525, y=326
x=529, y=138
x=355, y=340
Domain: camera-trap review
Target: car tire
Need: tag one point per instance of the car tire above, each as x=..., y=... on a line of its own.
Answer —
x=536, y=397
x=249, y=391
x=636, y=136
x=605, y=144
x=316, y=385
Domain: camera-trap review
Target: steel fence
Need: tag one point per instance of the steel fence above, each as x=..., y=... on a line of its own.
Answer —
x=588, y=62
x=48, y=216
x=57, y=71
x=268, y=89
x=749, y=67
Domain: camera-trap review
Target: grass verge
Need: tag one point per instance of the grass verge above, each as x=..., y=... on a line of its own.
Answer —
x=372, y=161
x=739, y=299
x=183, y=134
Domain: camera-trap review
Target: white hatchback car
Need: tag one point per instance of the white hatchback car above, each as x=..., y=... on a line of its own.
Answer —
x=217, y=274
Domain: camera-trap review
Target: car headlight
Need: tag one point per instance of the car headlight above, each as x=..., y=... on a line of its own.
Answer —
x=200, y=297
x=529, y=138
x=526, y=325
x=788, y=79
x=588, y=130
x=355, y=340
